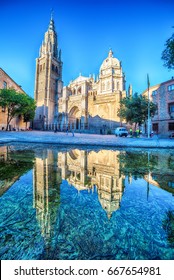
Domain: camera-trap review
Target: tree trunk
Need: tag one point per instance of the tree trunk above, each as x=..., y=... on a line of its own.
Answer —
x=135, y=126
x=8, y=121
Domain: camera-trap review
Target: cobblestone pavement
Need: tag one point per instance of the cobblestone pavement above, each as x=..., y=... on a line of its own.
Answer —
x=83, y=139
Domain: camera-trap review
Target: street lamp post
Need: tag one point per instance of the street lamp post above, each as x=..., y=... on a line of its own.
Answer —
x=148, y=121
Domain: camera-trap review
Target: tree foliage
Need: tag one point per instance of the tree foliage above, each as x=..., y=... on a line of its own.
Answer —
x=168, y=53
x=29, y=113
x=17, y=104
x=134, y=109
x=129, y=161
x=16, y=164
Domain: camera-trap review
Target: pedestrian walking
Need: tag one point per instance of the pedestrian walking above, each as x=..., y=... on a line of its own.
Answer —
x=130, y=132
x=137, y=132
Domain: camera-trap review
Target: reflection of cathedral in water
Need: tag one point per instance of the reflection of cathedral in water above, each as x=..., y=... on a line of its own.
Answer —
x=47, y=179
x=84, y=170
x=104, y=169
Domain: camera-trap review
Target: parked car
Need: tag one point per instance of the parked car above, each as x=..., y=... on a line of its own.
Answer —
x=121, y=131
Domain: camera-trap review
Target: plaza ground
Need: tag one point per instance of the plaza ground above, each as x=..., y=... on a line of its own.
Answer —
x=61, y=138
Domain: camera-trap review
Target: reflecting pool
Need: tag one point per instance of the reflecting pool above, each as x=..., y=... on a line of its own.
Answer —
x=73, y=203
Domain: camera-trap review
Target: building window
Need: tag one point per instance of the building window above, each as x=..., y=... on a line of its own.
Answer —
x=52, y=67
x=171, y=107
x=171, y=87
x=155, y=127
x=154, y=92
x=171, y=126
x=4, y=85
x=79, y=90
x=156, y=112
x=171, y=184
x=113, y=85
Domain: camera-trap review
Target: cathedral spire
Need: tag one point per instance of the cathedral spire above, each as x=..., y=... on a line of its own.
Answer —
x=50, y=39
x=51, y=24
x=52, y=12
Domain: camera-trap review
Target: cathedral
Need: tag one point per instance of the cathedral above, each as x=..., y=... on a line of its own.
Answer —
x=86, y=104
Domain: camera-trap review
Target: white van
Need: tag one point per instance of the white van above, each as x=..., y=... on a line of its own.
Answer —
x=121, y=131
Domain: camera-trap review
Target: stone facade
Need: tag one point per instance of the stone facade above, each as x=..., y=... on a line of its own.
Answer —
x=7, y=82
x=86, y=103
x=92, y=104
x=163, y=95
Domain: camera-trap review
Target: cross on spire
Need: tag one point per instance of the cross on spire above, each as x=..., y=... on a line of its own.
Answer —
x=52, y=13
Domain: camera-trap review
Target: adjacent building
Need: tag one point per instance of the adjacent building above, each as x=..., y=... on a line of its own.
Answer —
x=163, y=95
x=6, y=82
x=86, y=103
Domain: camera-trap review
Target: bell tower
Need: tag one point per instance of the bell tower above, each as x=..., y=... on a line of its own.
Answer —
x=48, y=80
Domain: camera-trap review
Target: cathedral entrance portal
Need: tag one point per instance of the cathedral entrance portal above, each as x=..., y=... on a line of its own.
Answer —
x=74, y=118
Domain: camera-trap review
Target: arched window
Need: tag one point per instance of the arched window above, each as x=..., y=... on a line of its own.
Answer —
x=103, y=86
x=79, y=90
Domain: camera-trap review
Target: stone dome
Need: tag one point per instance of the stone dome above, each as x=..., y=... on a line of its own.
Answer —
x=110, y=62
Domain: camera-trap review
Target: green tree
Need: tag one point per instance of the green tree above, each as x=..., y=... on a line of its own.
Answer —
x=30, y=108
x=137, y=163
x=134, y=109
x=168, y=53
x=16, y=104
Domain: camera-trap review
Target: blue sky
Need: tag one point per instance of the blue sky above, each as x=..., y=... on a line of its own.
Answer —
x=135, y=30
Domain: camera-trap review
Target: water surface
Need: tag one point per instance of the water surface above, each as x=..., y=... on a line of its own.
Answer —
x=62, y=203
